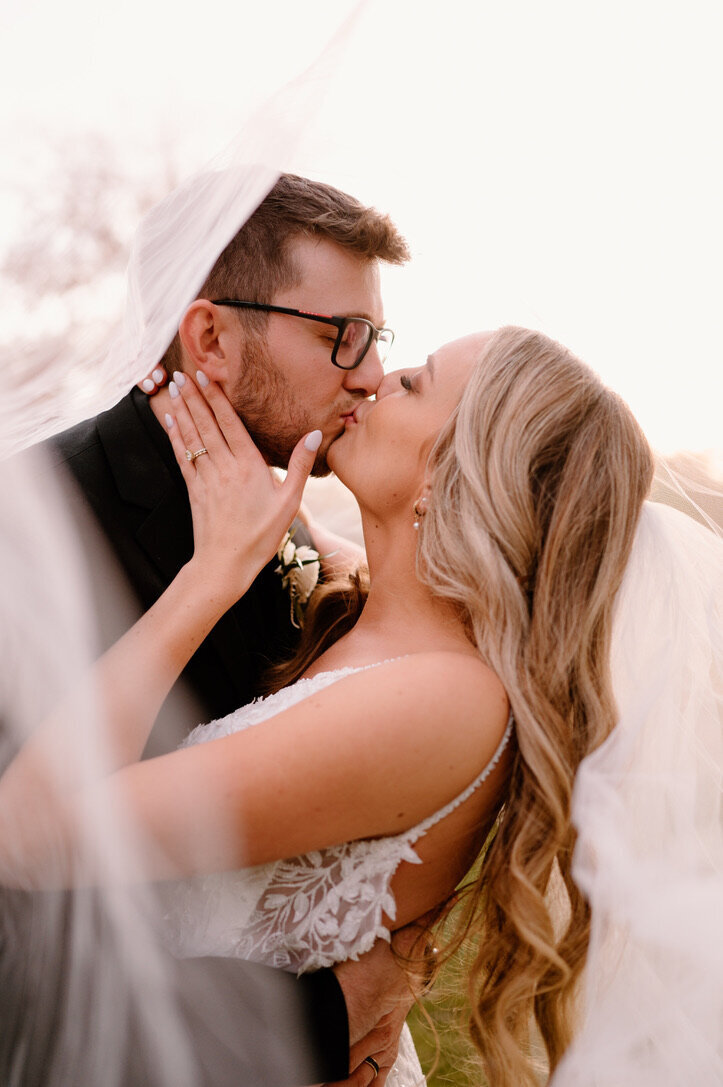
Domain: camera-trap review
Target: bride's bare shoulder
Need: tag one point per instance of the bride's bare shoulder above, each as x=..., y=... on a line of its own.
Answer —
x=440, y=715
x=443, y=664
x=457, y=683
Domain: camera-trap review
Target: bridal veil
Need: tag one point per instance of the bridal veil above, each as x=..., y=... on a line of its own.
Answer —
x=647, y=807
x=87, y=995
x=647, y=804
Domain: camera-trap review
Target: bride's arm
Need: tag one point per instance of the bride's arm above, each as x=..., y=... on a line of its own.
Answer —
x=371, y=754
x=239, y=517
x=326, y=770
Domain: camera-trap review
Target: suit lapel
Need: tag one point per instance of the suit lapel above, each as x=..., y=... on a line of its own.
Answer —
x=146, y=475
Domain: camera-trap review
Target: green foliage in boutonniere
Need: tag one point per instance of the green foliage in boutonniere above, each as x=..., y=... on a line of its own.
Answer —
x=299, y=567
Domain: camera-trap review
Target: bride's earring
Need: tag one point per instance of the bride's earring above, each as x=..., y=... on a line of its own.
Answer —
x=420, y=508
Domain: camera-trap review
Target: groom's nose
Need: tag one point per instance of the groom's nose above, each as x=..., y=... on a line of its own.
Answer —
x=367, y=376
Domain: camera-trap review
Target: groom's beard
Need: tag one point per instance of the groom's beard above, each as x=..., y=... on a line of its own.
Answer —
x=265, y=403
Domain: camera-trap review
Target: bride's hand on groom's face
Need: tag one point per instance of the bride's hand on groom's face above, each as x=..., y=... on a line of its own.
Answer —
x=240, y=513
x=154, y=381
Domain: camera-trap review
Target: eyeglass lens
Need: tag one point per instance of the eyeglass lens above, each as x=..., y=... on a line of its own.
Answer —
x=384, y=342
x=355, y=340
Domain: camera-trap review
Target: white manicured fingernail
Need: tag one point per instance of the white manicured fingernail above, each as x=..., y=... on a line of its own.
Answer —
x=201, y=378
x=148, y=386
x=158, y=376
x=169, y=420
x=173, y=390
x=179, y=378
x=313, y=441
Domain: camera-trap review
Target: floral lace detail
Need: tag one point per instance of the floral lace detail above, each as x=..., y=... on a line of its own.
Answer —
x=323, y=907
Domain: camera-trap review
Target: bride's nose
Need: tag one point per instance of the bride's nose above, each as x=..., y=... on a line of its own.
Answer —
x=389, y=384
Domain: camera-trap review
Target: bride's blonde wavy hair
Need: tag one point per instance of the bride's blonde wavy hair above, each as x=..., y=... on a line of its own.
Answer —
x=537, y=483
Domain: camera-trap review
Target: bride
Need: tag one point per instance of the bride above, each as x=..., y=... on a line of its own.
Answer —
x=513, y=568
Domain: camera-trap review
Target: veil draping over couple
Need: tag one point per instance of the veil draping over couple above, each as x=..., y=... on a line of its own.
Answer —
x=525, y=663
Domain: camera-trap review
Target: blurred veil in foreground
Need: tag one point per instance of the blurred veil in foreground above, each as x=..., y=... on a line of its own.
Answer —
x=174, y=248
x=88, y=995
x=81, y=974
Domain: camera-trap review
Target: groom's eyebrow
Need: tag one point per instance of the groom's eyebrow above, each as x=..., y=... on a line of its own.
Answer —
x=359, y=313
x=430, y=367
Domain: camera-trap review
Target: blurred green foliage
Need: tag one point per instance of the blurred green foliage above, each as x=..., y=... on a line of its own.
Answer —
x=439, y=1029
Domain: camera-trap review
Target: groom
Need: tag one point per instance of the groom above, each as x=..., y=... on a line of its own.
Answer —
x=314, y=252
x=289, y=322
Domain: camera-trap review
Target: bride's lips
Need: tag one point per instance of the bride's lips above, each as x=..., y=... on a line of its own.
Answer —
x=359, y=411
x=351, y=418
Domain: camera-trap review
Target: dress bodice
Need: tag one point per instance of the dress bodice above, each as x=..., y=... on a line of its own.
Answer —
x=304, y=912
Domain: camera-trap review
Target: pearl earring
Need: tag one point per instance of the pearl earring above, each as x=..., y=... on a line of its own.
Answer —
x=420, y=508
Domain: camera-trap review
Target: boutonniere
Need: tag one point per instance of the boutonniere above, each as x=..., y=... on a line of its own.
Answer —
x=299, y=567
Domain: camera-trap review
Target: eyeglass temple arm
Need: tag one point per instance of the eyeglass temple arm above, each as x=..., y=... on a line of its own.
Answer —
x=325, y=318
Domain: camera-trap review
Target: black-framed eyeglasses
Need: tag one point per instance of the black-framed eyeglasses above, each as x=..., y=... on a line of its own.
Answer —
x=354, y=335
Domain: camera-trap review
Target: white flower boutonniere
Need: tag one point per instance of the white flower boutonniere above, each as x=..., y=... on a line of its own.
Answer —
x=299, y=567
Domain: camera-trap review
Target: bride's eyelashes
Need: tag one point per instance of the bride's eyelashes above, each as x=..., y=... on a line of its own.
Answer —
x=406, y=383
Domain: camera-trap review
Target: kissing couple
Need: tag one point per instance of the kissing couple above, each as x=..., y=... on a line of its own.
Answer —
x=503, y=681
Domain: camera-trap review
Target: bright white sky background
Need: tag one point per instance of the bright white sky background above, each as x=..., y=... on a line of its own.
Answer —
x=554, y=164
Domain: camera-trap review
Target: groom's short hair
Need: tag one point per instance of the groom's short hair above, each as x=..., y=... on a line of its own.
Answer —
x=257, y=261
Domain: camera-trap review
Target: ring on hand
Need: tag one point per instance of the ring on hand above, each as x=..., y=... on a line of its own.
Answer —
x=373, y=1065
x=199, y=453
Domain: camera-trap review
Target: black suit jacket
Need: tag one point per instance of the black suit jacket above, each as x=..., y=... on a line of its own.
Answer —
x=246, y=1025
x=124, y=466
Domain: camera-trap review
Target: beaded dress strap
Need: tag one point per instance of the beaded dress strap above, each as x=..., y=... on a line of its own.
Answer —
x=421, y=828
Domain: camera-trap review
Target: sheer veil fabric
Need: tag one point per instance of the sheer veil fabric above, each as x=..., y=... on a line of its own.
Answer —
x=80, y=973
x=647, y=806
x=86, y=990
x=174, y=248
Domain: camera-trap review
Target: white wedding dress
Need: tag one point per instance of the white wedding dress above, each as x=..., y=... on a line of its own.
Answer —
x=306, y=912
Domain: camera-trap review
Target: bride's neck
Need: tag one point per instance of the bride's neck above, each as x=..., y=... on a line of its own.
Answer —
x=401, y=615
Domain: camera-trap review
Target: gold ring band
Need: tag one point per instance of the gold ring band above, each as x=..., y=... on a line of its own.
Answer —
x=373, y=1065
x=199, y=453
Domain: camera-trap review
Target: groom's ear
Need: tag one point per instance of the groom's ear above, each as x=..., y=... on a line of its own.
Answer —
x=210, y=339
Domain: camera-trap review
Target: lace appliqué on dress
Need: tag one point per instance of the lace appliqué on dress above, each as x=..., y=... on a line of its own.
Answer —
x=323, y=907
